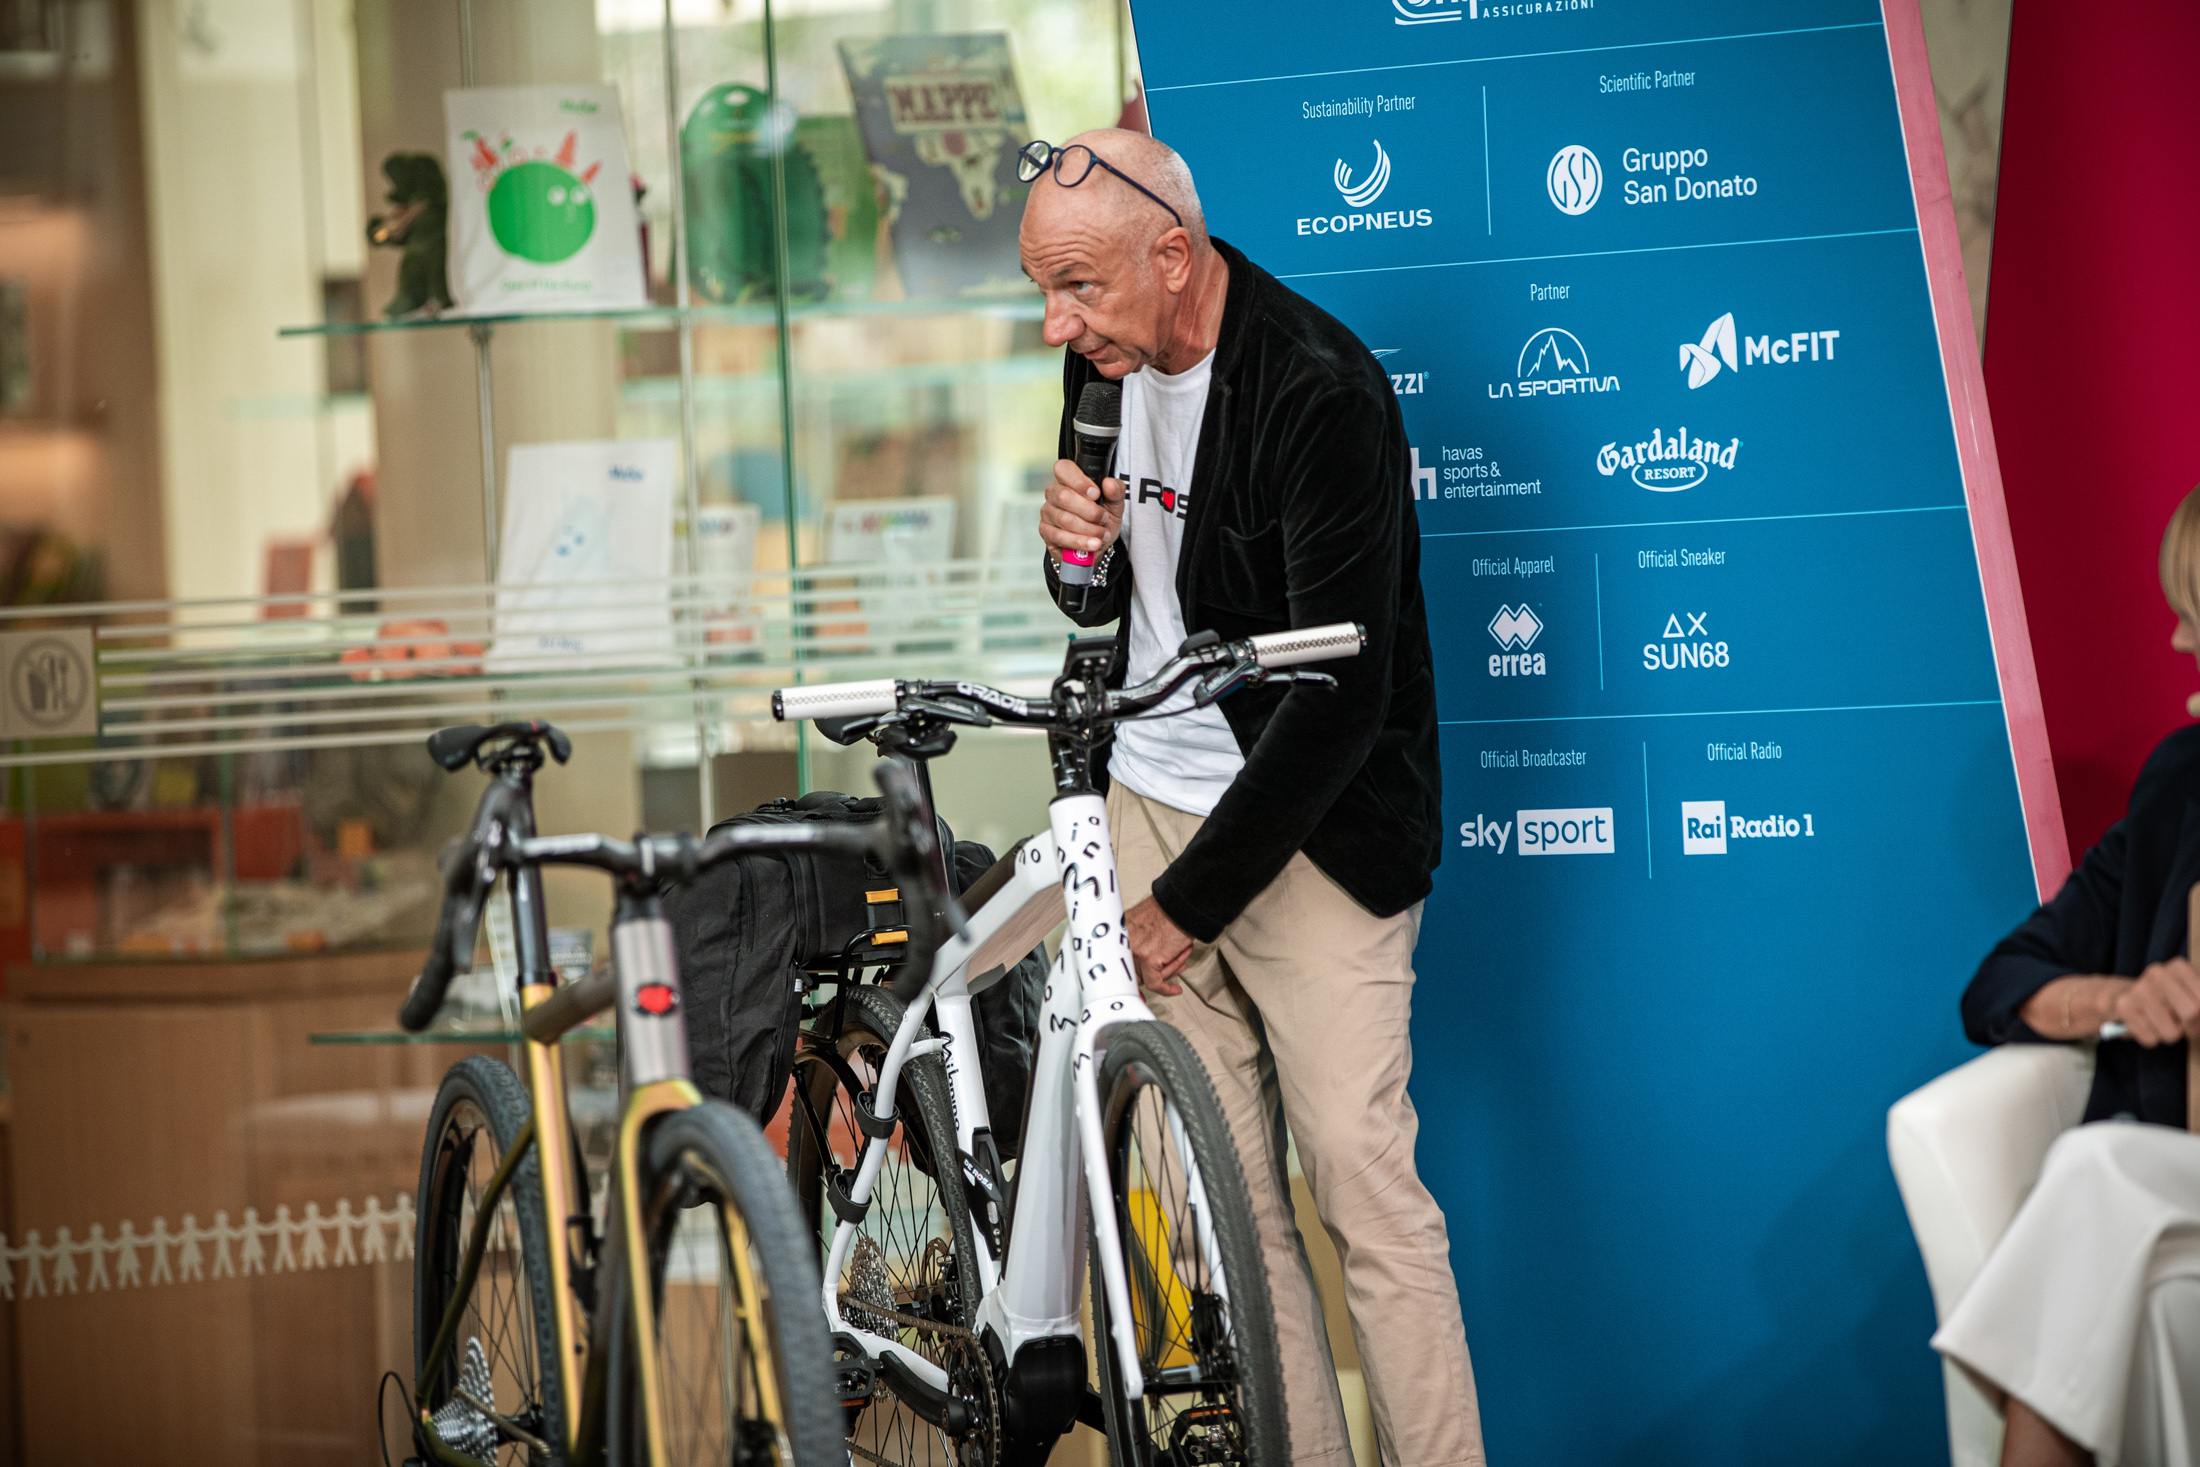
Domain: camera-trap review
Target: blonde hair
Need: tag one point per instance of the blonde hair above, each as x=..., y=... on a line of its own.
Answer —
x=2181, y=559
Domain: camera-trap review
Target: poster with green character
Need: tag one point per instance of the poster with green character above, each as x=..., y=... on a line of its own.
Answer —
x=542, y=201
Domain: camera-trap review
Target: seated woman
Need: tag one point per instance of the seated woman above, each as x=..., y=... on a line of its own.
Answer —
x=2087, y=1314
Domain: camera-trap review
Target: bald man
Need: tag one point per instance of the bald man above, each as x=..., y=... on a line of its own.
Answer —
x=1273, y=849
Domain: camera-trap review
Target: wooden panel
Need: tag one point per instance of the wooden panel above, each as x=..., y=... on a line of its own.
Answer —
x=126, y=1109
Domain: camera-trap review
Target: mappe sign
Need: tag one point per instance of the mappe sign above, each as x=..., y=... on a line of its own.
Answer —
x=1737, y=704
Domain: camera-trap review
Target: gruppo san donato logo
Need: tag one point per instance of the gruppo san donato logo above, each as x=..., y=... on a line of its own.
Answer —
x=1575, y=179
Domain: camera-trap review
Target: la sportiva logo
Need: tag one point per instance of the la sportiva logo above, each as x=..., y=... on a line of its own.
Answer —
x=1172, y=501
x=1515, y=629
x=1688, y=644
x=1706, y=827
x=1703, y=359
x=1553, y=363
x=538, y=208
x=1667, y=465
x=1358, y=195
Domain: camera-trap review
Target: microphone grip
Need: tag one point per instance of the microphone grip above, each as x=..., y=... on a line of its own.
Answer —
x=1095, y=459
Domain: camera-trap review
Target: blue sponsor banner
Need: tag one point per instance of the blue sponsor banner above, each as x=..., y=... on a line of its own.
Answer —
x=1727, y=766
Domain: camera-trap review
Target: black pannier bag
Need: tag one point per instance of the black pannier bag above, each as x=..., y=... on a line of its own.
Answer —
x=746, y=930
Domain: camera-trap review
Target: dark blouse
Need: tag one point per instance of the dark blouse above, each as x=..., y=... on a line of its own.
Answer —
x=2123, y=908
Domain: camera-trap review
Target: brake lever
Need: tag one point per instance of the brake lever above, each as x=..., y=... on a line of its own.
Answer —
x=1301, y=675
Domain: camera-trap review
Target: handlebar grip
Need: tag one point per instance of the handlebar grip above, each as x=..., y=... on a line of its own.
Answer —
x=835, y=700
x=1309, y=644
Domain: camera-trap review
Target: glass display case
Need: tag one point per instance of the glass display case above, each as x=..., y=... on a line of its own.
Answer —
x=286, y=517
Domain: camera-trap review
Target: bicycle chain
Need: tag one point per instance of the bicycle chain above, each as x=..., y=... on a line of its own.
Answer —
x=960, y=1342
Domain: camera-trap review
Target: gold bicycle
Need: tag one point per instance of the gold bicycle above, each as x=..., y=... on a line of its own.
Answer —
x=683, y=1326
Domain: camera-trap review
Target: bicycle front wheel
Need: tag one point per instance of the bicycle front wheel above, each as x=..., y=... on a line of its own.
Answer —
x=1212, y=1379
x=496, y=1393
x=741, y=1357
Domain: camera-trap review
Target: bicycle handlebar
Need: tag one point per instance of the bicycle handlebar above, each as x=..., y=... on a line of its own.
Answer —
x=1256, y=655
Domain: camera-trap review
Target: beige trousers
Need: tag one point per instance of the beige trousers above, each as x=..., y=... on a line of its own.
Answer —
x=1300, y=1014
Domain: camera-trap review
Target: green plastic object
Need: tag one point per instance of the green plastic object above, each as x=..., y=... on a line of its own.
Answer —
x=726, y=152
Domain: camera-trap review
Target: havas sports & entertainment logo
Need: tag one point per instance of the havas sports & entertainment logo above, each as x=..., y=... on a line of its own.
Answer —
x=1358, y=196
x=1553, y=363
x=1436, y=12
x=1706, y=827
x=1684, y=645
x=1667, y=465
x=1704, y=359
x=1575, y=179
x=1516, y=628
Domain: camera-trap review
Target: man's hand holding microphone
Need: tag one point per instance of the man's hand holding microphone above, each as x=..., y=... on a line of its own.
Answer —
x=1083, y=513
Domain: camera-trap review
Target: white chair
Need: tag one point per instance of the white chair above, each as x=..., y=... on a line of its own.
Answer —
x=1966, y=1150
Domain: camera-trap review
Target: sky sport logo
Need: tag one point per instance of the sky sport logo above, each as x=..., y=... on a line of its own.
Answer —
x=1575, y=179
x=1705, y=828
x=1436, y=12
x=1516, y=628
x=1667, y=465
x=1359, y=196
x=1565, y=832
x=1704, y=359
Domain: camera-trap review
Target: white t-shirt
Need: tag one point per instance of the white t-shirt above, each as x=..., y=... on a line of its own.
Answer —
x=1188, y=760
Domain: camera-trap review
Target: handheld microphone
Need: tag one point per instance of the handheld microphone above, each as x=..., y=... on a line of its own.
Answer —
x=1095, y=429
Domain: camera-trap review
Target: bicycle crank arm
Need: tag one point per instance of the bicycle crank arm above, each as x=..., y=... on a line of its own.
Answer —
x=904, y=1362
x=936, y=1406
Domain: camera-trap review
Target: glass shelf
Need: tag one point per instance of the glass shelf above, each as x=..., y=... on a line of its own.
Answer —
x=1018, y=307
x=446, y=1036
x=719, y=386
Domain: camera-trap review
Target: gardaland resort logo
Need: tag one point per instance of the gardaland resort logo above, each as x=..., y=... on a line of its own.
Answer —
x=1667, y=465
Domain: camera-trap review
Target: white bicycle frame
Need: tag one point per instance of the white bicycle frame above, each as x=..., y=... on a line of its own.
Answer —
x=1091, y=988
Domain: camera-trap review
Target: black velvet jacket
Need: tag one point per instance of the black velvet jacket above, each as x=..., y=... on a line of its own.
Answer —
x=2123, y=908
x=1301, y=513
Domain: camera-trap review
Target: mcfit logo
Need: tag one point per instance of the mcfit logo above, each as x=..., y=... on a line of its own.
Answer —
x=1361, y=194
x=1704, y=359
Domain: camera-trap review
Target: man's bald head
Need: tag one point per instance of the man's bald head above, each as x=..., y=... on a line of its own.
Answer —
x=1115, y=267
x=1106, y=202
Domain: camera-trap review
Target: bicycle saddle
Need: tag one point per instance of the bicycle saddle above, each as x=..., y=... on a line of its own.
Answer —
x=454, y=748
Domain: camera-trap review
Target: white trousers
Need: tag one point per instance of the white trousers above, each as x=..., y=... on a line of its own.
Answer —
x=2088, y=1309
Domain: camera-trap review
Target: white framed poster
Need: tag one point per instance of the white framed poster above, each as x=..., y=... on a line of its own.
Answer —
x=585, y=556
x=542, y=203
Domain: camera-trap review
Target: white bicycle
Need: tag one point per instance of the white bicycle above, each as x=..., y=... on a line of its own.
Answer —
x=953, y=1293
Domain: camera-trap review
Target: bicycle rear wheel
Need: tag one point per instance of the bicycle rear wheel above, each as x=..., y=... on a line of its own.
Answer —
x=497, y=1390
x=740, y=1350
x=1213, y=1381
x=910, y=1276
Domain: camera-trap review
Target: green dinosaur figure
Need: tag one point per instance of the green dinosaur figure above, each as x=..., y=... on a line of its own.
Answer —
x=416, y=227
x=725, y=155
